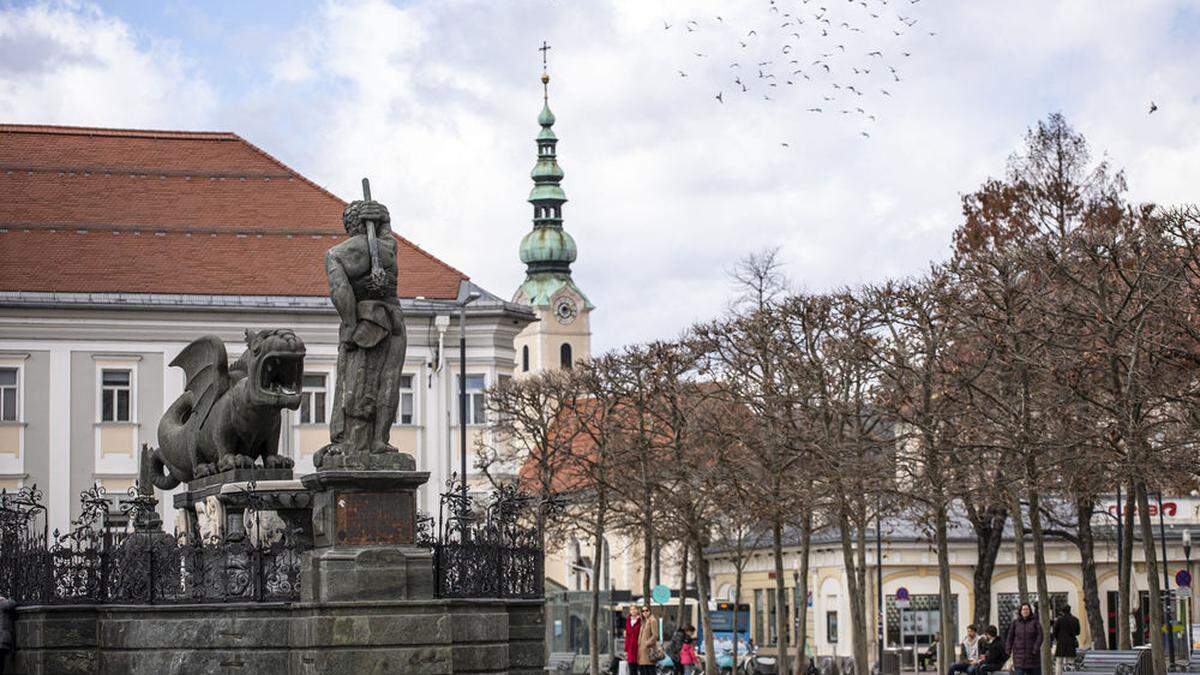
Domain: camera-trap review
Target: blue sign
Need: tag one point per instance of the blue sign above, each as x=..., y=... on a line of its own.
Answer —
x=1183, y=578
x=661, y=594
x=902, y=593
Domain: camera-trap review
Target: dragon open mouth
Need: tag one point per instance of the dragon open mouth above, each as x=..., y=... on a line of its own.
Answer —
x=281, y=374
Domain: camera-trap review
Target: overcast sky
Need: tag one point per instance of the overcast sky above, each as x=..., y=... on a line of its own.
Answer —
x=436, y=101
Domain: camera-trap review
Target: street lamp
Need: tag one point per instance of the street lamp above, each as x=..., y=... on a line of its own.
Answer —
x=462, y=392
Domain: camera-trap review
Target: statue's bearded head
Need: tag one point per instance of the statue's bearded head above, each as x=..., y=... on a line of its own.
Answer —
x=357, y=213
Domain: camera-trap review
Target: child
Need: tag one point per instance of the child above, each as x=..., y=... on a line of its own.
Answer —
x=687, y=654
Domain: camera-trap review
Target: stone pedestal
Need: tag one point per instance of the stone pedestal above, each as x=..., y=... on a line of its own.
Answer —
x=364, y=535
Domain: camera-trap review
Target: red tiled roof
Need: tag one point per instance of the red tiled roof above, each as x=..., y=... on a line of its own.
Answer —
x=111, y=210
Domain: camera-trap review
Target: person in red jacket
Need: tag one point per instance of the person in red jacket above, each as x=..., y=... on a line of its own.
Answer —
x=633, y=625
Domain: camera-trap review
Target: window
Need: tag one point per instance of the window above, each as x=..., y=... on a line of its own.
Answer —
x=525, y=359
x=564, y=356
x=312, y=399
x=760, y=614
x=475, y=408
x=831, y=627
x=115, y=391
x=406, y=400
x=8, y=395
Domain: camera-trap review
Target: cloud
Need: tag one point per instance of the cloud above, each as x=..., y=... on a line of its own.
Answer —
x=71, y=64
x=437, y=102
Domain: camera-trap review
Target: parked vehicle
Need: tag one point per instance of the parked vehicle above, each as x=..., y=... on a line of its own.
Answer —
x=758, y=664
x=724, y=662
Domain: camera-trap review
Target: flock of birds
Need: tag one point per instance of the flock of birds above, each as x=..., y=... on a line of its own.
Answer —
x=842, y=61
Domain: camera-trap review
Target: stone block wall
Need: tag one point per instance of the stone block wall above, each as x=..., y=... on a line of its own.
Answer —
x=414, y=636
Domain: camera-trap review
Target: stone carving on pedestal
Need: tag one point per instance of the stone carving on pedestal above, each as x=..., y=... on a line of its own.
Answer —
x=371, y=342
x=229, y=414
x=364, y=490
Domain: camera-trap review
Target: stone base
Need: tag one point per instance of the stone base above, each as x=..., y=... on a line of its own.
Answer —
x=371, y=573
x=417, y=637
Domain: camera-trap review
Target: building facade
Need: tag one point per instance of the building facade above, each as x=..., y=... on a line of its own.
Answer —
x=122, y=246
x=909, y=561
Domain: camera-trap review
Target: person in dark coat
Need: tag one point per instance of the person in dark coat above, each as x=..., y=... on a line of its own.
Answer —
x=675, y=650
x=1065, y=631
x=1024, y=642
x=992, y=652
x=7, y=637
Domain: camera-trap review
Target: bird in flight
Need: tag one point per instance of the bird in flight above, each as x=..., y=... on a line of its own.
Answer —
x=879, y=54
x=817, y=110
x=666, y=26
x=718, y=97
x=682, y=74
x=866, y=134
x=1153, y=107
x=785, y=145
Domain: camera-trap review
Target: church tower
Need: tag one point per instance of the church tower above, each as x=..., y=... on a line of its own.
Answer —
x=562, y=336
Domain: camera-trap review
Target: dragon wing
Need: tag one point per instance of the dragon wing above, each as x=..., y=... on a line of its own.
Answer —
x=206, y=366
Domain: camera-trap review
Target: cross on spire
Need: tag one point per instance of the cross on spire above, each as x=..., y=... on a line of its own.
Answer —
x=543, y=49
x=545, y=76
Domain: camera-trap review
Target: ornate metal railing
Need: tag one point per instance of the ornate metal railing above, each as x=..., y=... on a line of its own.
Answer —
x=481, y=550
x=96, y=562
x=490, y=550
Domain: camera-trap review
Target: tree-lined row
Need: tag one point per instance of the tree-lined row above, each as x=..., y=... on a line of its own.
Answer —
x=1050, y=361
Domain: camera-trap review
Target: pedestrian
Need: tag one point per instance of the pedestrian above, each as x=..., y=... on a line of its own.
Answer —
x=930, y=655
x=675, y=650
x=1065, y=631
x=1024, y=642
x=994, y=655
x=970, y=652
x=687, y=655
x=647, y=643
x=633, y=623
x=7, y=630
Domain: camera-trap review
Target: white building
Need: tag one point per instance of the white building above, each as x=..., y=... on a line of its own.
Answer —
x=119, y=247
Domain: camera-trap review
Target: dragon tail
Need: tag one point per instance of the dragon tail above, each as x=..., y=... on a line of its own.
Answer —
x=154, y=470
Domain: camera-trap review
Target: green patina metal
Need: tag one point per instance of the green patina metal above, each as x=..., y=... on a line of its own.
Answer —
x=548, y=250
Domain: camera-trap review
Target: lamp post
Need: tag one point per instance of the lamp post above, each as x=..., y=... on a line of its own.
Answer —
x=462, y=392
x=1187, y=557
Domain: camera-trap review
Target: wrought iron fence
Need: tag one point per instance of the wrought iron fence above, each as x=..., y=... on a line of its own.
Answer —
x=489, y=550
x=486, y=549
x=96, y=562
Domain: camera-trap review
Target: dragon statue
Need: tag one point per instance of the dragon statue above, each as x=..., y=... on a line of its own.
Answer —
x=229, y=414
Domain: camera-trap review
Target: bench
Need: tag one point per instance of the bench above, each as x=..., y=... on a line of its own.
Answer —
x=1111, y=662
x=560, y=662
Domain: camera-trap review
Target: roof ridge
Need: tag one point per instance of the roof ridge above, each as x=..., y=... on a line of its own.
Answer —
x=166, y=134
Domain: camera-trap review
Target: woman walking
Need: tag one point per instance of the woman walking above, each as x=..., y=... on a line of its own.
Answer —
x=647, y=643
x=1024, y=642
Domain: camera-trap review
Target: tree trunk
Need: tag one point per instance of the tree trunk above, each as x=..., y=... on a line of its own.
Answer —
x=802, y=595
x=597, y=570
x=737, y=603
x=781, y=618
x=680, y=619
x=647, y=561
x=946, y=650
x=1152, y=580
x=1019, y=546
x=1043, y=589
x=1084, y=509
x=1125, y=591
x=855, y=594
x=989, y=536
x=702, y=595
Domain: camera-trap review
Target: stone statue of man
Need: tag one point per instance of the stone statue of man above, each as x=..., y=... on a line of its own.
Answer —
x=371, y=338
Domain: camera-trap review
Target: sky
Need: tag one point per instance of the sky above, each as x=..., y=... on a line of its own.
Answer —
x=437, y=101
